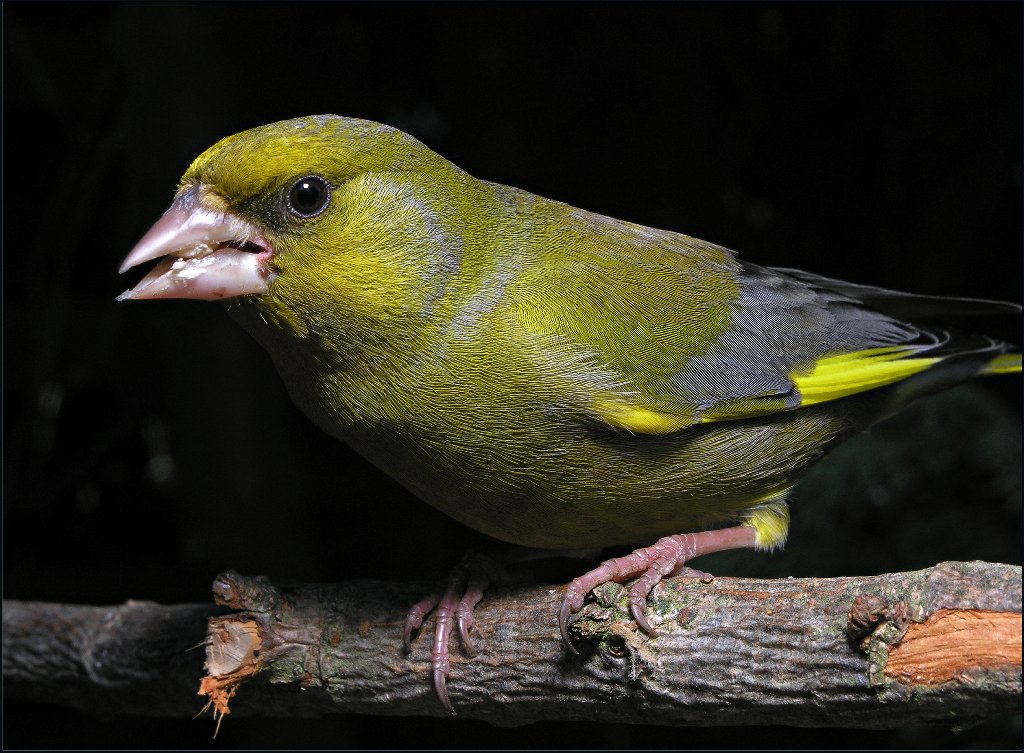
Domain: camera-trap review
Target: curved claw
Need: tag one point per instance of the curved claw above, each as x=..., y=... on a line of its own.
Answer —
x=465, y=623
x=442, y=690
x=477, y=583
x=407, y=634
x=563, y=625
x=636, y=608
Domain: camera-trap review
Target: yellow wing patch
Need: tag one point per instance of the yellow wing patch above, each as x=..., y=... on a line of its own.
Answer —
x=640, y=420
x=834, y=377
x=831, y=378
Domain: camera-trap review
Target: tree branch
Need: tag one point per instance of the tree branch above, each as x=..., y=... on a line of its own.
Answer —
x=940, y=645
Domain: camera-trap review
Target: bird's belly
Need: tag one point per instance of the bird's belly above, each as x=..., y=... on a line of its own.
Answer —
x=569, y=489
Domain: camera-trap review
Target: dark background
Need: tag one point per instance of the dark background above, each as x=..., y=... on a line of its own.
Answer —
x=148, y=447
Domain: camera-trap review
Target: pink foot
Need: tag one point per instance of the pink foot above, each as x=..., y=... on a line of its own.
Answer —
x=667, y=556
x=465, y=588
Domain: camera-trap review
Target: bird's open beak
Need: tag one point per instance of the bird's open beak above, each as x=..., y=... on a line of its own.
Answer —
x=206, y=254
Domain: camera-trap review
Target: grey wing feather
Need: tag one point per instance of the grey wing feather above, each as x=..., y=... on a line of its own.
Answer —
x=782, y=323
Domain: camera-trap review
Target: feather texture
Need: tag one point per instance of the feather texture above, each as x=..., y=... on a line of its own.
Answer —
x=547, y=375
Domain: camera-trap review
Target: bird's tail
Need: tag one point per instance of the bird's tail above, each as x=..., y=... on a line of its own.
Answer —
x=952, y=370
x=1004, y=363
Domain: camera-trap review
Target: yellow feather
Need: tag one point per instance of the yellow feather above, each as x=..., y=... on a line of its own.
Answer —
x=845, y=374
x=640, y=420
x=770, y=518
x=1007, y=363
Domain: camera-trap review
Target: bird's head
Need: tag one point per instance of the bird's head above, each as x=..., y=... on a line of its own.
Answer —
x=322, y=225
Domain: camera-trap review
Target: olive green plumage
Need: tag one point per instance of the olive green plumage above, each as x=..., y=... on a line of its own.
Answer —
x=550, y=376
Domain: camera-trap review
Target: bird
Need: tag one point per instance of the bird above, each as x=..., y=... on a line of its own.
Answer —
x=552, y=377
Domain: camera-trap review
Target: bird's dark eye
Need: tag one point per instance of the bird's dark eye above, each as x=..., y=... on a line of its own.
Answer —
x=308, y=196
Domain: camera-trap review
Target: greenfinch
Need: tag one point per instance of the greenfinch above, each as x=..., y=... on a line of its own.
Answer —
x=549, y=376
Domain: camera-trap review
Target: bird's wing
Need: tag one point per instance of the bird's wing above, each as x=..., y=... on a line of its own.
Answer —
x=672, y=331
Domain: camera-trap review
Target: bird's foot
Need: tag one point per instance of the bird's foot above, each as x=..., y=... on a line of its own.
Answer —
x=666, y=557
x=466, y=585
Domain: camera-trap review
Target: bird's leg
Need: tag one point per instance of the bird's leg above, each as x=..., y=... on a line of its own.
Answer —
x=466, y=585
x=667, y=556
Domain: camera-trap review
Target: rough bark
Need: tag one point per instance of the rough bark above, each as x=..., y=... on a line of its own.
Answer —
x=941, y=645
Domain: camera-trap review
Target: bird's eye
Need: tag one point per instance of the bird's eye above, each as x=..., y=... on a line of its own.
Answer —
x=308, y=196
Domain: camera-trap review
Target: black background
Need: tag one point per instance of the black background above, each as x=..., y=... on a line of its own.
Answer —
x=148, y=447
